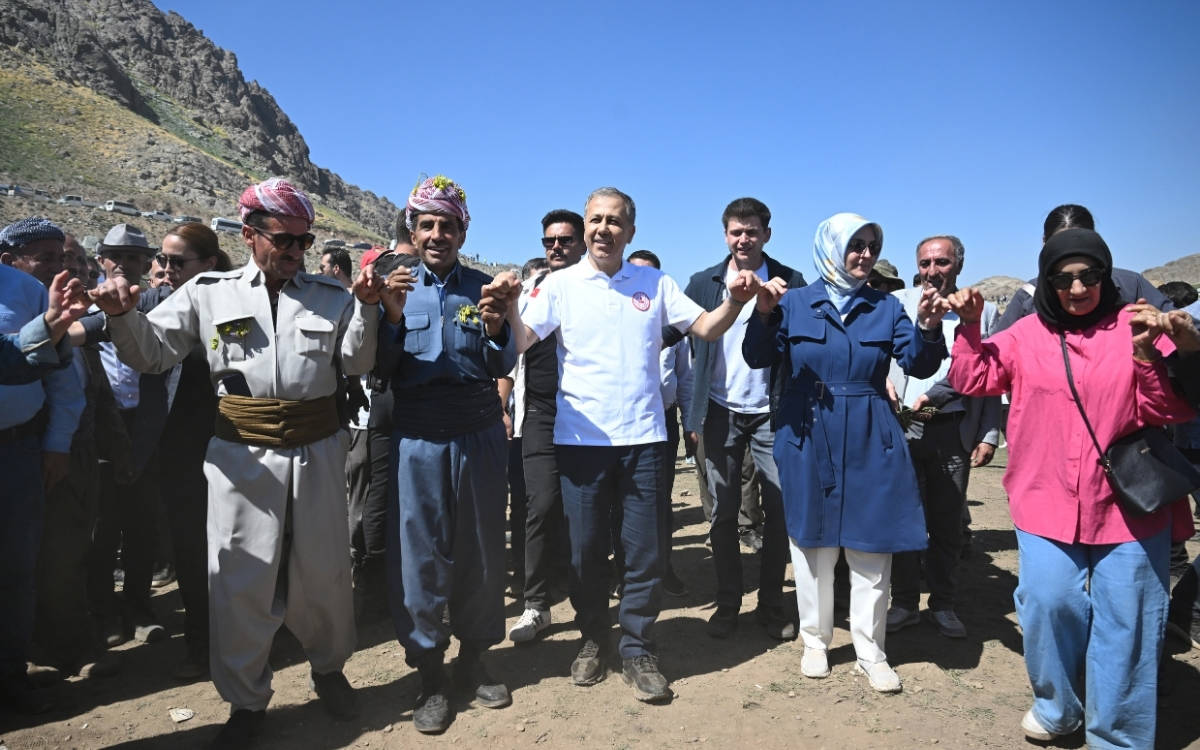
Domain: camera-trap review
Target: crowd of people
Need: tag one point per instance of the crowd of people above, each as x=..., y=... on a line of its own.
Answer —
x=302, y=450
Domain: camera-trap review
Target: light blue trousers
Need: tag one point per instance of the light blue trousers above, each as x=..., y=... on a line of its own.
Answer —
x=1093, y=618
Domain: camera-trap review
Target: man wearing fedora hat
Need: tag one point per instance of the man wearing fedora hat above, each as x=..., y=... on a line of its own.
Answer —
x=128, y=488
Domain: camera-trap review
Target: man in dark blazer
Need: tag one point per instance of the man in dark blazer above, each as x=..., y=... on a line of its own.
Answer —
x=730, y=410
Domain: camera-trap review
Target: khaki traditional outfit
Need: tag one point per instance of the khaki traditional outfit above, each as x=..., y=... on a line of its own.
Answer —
x=277, y=524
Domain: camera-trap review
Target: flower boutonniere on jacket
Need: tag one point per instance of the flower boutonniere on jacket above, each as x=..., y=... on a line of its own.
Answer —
x=468, y=315
x=231, y=329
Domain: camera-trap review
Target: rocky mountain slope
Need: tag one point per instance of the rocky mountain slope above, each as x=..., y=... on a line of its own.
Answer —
x=1186, y=269
x=116, y=95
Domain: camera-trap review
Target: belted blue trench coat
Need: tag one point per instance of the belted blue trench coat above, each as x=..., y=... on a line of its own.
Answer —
x=844, y=465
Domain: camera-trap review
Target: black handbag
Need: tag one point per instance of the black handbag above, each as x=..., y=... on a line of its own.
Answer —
x=1144, y=467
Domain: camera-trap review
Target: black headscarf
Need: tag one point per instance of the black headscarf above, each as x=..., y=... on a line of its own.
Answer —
x=1066, y=244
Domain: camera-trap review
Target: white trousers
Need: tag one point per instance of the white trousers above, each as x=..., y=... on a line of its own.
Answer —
x=870, y=578
x=248, y=492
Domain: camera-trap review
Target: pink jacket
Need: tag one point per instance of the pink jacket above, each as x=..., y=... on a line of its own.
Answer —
x=1056, y=487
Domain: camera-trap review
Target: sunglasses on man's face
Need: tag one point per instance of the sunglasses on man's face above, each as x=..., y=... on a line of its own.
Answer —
x=1088, y=277
x=857, y=246
x=549, y=242
x=283, y=240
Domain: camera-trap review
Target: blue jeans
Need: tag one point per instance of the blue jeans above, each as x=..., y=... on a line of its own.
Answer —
x=1093, y=618
x=21, y=500
x=446, y=540
x=596, y=481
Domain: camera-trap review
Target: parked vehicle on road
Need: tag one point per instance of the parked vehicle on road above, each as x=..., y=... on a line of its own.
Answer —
x=361, y=246
x=221, y=224
x=333, y=243
x=121, y=207
x=157, y=215
x=71, y=200
x=185, y=219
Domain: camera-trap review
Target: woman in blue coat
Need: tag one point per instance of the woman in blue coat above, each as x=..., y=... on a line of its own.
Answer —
x=843, y=461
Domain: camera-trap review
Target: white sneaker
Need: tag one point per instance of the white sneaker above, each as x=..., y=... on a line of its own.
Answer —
x=899, y=618
x=948, y=623
x=814, y=663
x=1033, y=728
x=882, y=677
x=531, y=622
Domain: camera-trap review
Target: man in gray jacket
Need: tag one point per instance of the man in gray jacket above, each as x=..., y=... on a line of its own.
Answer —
x=949, y=435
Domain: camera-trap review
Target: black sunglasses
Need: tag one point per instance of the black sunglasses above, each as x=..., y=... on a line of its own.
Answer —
x=174, y=261
x=857, y=245
x=283, y=240
x=1088, y=277
x=549, y=242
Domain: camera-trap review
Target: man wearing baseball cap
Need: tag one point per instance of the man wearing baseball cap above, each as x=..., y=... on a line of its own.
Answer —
x=276, y=338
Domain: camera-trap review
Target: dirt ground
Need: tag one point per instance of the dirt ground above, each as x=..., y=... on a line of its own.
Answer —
x=744, y=691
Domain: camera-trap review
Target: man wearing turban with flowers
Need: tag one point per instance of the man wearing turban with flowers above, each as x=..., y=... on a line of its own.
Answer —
x=276, y=339
x=445, y=545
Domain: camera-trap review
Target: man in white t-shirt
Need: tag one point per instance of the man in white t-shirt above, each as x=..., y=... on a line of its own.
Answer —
x=609, y=431
x=730, y=413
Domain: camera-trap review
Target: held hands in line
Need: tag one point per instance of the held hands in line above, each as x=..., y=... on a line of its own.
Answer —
x=932, y=307
x=1148, y=323
x=769, y=293
x=967, y=304
x=367, y=286
x=497, y=298
x=68, y=303
x=116, y=296
x=394, y=293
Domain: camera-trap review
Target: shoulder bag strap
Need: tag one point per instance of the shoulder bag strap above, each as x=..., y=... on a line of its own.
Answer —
x=1071, y=382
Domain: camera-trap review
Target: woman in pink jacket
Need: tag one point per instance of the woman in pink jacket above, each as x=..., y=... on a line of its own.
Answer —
x=1092, y=595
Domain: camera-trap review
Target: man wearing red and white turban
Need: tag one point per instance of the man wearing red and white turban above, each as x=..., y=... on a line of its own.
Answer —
x=276, y=339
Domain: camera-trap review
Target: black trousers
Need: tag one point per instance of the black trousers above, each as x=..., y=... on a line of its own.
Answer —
x=64, y=635
x=186, y=489
x=545, y=552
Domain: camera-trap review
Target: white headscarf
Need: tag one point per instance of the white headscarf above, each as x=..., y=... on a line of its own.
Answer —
x=829, y=256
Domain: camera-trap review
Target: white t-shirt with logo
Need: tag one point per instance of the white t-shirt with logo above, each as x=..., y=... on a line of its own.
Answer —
x=609, y=337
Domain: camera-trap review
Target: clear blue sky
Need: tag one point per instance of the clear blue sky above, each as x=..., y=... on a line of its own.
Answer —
x=968, y=118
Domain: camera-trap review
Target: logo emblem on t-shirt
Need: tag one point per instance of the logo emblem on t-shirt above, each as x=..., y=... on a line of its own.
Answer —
x=641, y=301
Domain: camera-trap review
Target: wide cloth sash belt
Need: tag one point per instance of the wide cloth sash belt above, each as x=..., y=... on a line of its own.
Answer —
x=275, y=423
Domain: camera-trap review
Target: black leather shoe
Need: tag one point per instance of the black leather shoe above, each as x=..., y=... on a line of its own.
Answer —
x=239, y=732
x=588, y=667
x=776, y=622
x=432, y=713
x=472, y=676
x=337, y=697
x=723, y=622
x=648, y=683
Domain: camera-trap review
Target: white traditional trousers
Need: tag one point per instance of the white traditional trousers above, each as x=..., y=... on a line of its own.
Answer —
x=870, y=577
x=250, y=593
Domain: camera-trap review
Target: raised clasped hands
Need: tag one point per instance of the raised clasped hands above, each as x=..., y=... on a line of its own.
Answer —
x=967, y=304
x=68, y=303
x=1148, y=323
x=496, y=298
x=769, y=294
x=394, y=293
x=367, y=286
x=744, y=287
x=931, y=308
x=116, y=296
